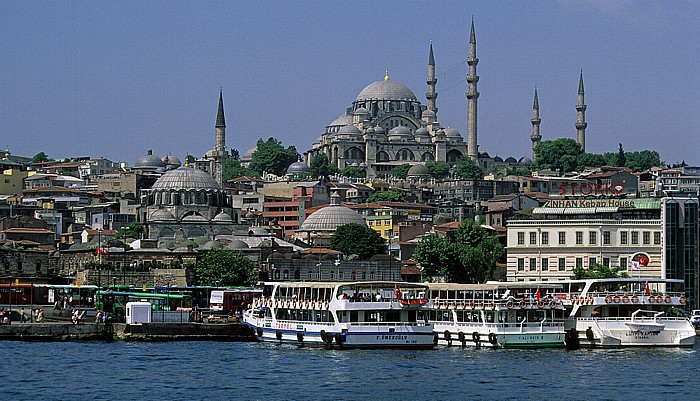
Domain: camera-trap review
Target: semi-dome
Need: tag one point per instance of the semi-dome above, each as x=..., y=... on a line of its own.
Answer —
x=349, y=130
x=418, y=170
x=211, y=244
x=298, y=167
x=223, y=216
x=330, y=217
x=452, y=133
x=386, y=90
x=361, y=111
x=428, y=113
x=422, y=132
x=399, y=132
x=379, y=130
x=185, y=178
x=344, y=119
x=162, y=215
x=237, y=245
x=194, y=217
x=149, y=161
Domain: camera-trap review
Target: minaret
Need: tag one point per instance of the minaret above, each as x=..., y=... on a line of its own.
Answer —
x=535, y=137
x=472, y=97
x=432, y=94
x=220, y=146
x=581, y=120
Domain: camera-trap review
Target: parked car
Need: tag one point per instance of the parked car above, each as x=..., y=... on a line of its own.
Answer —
x=695, y=318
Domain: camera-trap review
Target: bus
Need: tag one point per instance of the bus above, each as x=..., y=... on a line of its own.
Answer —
x=233, y=301
x=114, y=302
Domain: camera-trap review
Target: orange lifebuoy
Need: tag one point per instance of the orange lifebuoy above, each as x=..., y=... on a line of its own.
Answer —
x=667, y=299
x=464, y=304
x=574, y=299
x=616, y=299
x=471, y=304
x=651, y=299
x=682, y=299
x=634, y=299
x=493, y=305
x=483, y=305
x=591, y=300
x=522, y=304
x=540, y=304
x=659, y=299
x=625, y=299
x=552, y=304
x=608, y=299
x=510, y=304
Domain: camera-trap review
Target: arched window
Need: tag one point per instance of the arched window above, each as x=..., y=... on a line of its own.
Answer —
x=427, y=157
x=382, y=157
x=285, y=275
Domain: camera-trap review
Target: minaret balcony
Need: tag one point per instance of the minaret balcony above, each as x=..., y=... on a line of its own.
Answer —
x=472, y=78
x=581, y=125
x=536, y=120
x=472, y=60
x=581, y=107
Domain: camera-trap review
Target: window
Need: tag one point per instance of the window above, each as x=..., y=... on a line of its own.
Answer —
x=545, y=238
x=646, y=238
x=533, y=264
x=387, y=222
x=591, y=262
x=579, y=237
x=521, y=264
x=592, y=237
x=562, y=264
x=606, y=237
x=657, y=238
x=579, y=263
x=623, y=238
x=562, y=238
x=369, y=223
x=545, y=264
x=310, y=276
x=521, y=238
x=623, y=263
x=606, y=262
x=635, y=237
x=533, y=238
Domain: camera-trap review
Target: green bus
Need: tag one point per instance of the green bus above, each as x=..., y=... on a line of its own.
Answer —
x=114, y=302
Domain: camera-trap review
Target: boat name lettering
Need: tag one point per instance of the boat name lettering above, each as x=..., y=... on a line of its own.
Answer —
x=392, y=337
x=641, y=334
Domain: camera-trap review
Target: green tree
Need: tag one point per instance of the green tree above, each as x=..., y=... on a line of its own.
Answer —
x=400, y=171
x=524, y=171
x=40, y=157
x=358, y=239
x=322, y=167
x=597, y=271
x=560, y=154
x=591, y=160
x=270, y=156
x=469, y=169
x=438, y=170
x=233, y=169
x=621, y=159
x=225, y=267
x=469, y=256
x=353, y=172
x=386, y=196
x=643, y=160
x=132, y=230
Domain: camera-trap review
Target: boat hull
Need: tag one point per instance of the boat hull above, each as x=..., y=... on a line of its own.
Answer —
x=617, y=333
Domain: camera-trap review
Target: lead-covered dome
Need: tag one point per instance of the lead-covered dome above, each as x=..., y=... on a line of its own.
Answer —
x=330, y=217
x=186, y=178
x=386, y=90
x=149, y=161
x=298, y=167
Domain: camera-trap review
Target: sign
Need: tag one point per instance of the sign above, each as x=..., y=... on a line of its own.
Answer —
x=585, y=188
x=574, y=203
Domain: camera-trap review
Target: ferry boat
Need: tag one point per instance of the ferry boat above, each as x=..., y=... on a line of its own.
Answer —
x=343, y=314
x=626, y=312
x=498, y=315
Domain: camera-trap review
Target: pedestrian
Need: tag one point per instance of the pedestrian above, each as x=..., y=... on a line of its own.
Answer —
x=22, y=318
x=40, y=315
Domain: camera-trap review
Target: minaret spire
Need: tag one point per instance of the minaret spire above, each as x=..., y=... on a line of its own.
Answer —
x=536, y=137
x=220, y=120
x=581, y=120
x=219, y=154
x=472, y=97
x=432, y=93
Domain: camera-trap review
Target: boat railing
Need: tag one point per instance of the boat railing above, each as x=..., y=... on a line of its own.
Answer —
x=628, y=318
x=384, y=324
x=523, y=326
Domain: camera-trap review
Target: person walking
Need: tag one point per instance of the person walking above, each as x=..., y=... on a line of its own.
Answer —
x=22, y=318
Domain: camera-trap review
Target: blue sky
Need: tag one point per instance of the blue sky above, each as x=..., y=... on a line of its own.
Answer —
x=112, y=79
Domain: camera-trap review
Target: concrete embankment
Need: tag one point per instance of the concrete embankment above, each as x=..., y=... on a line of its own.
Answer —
x=184, y=332
x=56, y=332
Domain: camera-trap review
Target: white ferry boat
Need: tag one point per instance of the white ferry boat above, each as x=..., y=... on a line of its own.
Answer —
x=622, y=312
x=343, y=314
x=499, y=315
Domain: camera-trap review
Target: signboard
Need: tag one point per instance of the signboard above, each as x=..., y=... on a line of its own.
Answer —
x=586, y=189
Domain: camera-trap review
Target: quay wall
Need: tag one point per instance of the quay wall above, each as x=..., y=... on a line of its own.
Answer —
x=184, y=332
x=55, y=332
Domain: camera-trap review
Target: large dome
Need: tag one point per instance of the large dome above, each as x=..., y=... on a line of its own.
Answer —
x=185, y=178
x=149, y=161
x=386, y=90
x=330, y=217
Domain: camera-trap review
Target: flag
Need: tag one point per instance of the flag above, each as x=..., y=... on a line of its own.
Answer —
x=537, y=294
x=635, y=266
x=397, y=291
x=646, y=288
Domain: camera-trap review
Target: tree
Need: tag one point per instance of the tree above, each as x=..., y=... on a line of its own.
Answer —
x=353, y=172
x=234, y=154
x=467, y=168
x=225, y=267
x=271, y=157
x=358, y=239
x=592, y=160
x=234, y=169
x=552, y=155
x=400, y=171
x=469, y=256
x=40, y=157
x=621, y=159
x=189, y=159
x=387, y=196
x=597, y=271
x=322, y=167
x=438, y=170
x=131, y=230
x=643, y=160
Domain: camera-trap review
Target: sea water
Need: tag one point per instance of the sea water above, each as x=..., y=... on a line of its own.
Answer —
x=263, y=371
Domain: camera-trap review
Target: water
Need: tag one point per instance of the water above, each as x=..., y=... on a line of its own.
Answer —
x=215, y=370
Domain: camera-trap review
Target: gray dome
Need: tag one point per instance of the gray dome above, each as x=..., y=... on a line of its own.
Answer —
x=511, y=160
x=483, y=153
x=386, y=90
x=257, y=231
x=498, y=159
x=194, y=217
x=349, y=130
x=452, y=133
x=148, y=161
x=428, y=113
x=211, y=245
x=422, y=132
x=162, y=215
x=400, y=132
x=418, y=170
x=248, y=155
x=223, y=216
x=345, y=119
x=237, y=244
x=525, y=160
x=298, y=168
x=379, y=130
x=361, y=111
x=330, y=217
x=185, y=178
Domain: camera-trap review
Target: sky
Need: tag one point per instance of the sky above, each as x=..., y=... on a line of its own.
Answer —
x=114, y=79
